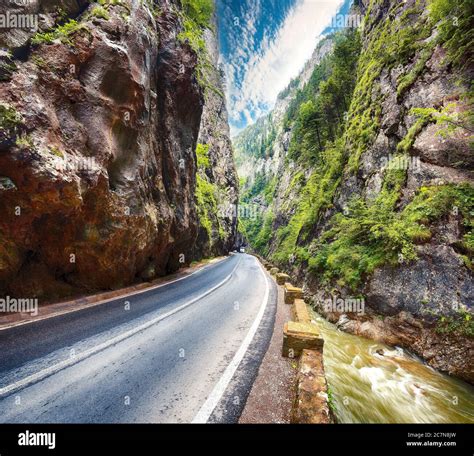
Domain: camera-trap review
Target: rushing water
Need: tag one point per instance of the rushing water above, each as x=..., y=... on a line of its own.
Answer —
x=394, y=387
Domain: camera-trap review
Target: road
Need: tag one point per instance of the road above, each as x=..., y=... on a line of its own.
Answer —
x=185, y=352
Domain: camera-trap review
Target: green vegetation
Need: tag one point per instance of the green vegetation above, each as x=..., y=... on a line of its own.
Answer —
x=10, y=125
x=407, y=142
x=66, y=28
x=24, y=141
x=62, y=33
x=192, y=34
x=103, y=11
x=207, y=194
x=39, y=61
x=199, y=11
x=462, y=323
x=258, y=187
x=318, y=128
x=111, y=2
x=9, y=117
x=55, y=151
x=256, y=140
x=254, y=223
x=284, y=93
x=257, y=227
x=448, y=118
x=317, y=111
x=206, y=202
x=202, y=155
x=392, y=43
x=309, y=91
x=331, y=401
x=196, y=17
x=455, y=23
x=407, y=80
x=455, y=20
x=433, y=203
x=375, y=232
x=100, y=12
x=320, y=119
x=7, y=67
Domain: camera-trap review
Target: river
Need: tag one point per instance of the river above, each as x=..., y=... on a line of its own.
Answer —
x=367, y=386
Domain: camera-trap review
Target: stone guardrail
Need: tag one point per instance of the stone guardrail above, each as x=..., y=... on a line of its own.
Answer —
x=302, y=339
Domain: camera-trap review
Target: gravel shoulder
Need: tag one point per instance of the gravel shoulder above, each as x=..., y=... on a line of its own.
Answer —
x=273, y=392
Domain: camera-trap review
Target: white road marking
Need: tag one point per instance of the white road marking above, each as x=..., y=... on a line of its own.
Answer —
x=105, y=301
x=208, y=407
x=41, y=375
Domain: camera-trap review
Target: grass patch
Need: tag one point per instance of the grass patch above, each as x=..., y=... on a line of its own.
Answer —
x=455, y=21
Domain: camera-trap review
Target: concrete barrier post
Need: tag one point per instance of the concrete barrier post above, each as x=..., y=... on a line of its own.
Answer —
x=300, y=336
x=282, y=278
x=292, y=293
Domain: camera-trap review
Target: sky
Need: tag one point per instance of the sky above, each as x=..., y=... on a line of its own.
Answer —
x=263, y=45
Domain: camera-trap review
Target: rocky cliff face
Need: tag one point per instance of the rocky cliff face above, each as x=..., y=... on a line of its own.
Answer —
x=384, y=211
x=260, y=154
x=217, y=181
x=100, y=114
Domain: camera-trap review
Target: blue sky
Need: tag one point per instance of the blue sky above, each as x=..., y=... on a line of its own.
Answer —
x=264, y=44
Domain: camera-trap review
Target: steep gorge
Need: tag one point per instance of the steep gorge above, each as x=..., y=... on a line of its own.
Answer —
x=360, y=182
x=101, y=110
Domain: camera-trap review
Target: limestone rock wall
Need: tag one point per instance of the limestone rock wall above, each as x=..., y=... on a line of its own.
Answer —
x=99, y=126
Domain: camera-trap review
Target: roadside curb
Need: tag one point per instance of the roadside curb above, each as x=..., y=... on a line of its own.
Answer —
x=302, y=339
x=51, y=370
x=74, y=305
x=272, y=393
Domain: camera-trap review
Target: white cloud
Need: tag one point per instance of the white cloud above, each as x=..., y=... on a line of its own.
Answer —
x=269, y=72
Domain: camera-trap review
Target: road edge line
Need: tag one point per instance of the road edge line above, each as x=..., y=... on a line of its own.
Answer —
x=45, y=373
x=106, y=301
x=219, y=389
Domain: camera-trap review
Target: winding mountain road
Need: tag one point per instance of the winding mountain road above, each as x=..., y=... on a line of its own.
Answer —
x=187, y=351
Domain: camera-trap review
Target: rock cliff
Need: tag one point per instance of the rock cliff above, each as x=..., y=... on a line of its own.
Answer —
x=217, y=175
x=372, y=191
x=101, y=109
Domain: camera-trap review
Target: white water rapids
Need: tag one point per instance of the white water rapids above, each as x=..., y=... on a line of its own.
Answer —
x=393, y=387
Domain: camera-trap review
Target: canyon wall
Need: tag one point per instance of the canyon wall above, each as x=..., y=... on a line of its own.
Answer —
x=370, y=191
x=217, y=175
x=100, y=114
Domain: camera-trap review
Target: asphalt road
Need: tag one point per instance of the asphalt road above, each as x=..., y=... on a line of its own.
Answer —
x=186, y=352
